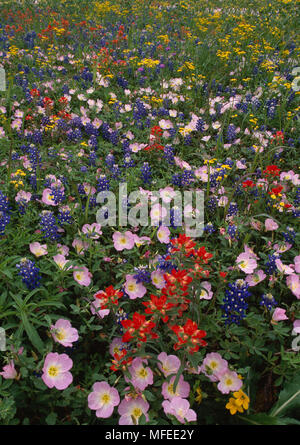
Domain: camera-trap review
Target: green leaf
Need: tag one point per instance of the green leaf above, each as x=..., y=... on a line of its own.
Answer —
x=32, y=333
x=288, y=398
x=51, y=419
x=260, y=419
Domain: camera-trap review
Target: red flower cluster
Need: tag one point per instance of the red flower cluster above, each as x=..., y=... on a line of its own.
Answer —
x=138, y=328
x=248, y=184
x=272, y=170
x=119, y=361
x=158, y=306
x=276, y=190
x=156, y=132
x=108, y=297
x=183, y=244
x=189, y=336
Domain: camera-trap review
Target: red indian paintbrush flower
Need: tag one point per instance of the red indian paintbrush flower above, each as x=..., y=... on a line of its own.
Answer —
x=189, y=336
x=109, y=295
x=158, y=305
x=138, y=328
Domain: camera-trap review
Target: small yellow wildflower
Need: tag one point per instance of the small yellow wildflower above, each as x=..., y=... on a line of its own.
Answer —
x=238, y=403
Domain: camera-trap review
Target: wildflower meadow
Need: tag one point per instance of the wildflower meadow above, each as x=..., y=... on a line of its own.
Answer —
x=149, y=212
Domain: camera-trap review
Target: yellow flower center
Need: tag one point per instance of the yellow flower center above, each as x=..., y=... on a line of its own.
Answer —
x=53, y=371
x=61, y=334
x=213, y=365
x=143, y=373
x=105, y=398
x=136, y=413
x=131, y=287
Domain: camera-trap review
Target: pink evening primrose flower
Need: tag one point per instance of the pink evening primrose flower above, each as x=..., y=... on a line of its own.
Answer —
x=182, y=388
x=280, y=248
x=48, y=198
x=206, y=293
x=123, y=240
x=141, y=240
x=293, y=283
x=246, y=263
x=296, y=327
x=38, y=249
x=23, y=196
x=163, y=235
x=61, y=261
x=212, y=365
x=228, y=382
x=283, y=268
x=131, y=410
x=157, y=279
x=141, y=376
x=63, y=250
x=180, y=408
x=279, y=314
x=56, y=371
x=157, y=213
x=82, y=275
x=103, y=399
x=92, y=231
x=270, y=224
x=80, y=246
x=297, y=263
x=133, y=288
x=255, y=278
x=8, y=371
x=63, y=333
x=168, y=364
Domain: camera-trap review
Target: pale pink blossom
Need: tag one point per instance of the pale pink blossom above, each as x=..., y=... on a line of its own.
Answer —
x=163, y=234
x=293, y=283
x=63, y=333
x=61, y=261
x=92, y=231
x=206, y=293
x=180, y=408
x=123, y=240
x=279, y=314
x=56, y=371
x=38, y=249
x=82, y=275
x=246, y=263
x=270, y=224
x=23, y=196
x=283, y=268
x=213, y=364
x=255, y=278
x=141, y=374
x=229, y=382
x=296, y=327
x=134, y=289
x=9, y=371
x=168, y=364
x=182, y=388
x=48, y=197
x=131, y=410
x=297, y=263
x=103, y=399
x=80, y=246
x=157, y=279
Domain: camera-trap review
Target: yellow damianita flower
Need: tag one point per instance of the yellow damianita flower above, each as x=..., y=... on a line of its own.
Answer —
x=198, y=398
x=238, y=403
